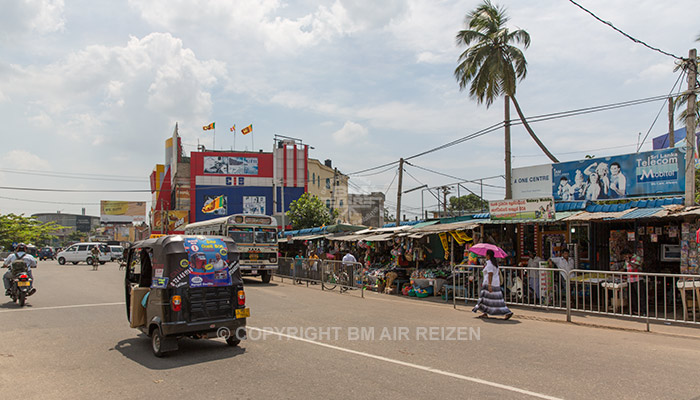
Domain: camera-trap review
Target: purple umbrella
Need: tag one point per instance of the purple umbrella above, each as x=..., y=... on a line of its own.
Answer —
x=482, y=248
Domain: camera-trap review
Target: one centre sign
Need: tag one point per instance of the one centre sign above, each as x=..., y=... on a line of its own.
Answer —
x=541, y=209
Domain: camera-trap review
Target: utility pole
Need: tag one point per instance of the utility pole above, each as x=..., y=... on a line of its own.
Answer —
x=509, y=189
x=690, y=129
x=398, y=194
x=444, y=200
x=671, y=134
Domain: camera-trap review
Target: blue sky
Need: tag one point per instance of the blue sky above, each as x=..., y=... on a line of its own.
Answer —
x=95, y=87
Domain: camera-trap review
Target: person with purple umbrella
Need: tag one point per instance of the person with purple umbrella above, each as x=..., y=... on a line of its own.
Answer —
x=491, y=301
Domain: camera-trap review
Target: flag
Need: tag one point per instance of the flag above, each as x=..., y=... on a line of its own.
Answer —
x=233, y=128
x=208, y=127
x=216, y=204
x=247, y=129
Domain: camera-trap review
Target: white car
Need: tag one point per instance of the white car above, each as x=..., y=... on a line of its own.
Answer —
x=83, y=252
x=117, y=252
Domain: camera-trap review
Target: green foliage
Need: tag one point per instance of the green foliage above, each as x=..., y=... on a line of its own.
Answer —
x=470, y=202
x=491, y=62
x=18, y=228
x=76, y=236
x=309, y=212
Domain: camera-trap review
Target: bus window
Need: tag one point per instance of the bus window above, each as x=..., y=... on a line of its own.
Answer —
x=265, y=235
x=241, y=235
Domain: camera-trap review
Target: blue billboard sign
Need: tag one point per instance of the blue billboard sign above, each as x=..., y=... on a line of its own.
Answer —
x=651, y=173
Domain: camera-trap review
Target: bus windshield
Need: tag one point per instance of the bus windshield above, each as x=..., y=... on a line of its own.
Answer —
x=265, y=235
x=241, y=235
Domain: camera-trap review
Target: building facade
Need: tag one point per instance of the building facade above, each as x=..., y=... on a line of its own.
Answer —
x=71, y=222
x=330, y=186
x=366, y=209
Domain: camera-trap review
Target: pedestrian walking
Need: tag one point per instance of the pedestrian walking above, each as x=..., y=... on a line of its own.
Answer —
x=491, y=301
x=95, y=257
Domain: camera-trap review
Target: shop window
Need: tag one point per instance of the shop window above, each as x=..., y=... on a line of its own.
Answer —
x=580, y=235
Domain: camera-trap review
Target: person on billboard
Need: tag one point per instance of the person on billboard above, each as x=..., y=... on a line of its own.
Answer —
x=565, y=191
x=218, y=263
x=579, y=187
x=601, y=170
x=593, y=190
x=618, y=182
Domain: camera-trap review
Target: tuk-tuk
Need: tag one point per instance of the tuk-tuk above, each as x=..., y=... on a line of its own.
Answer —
x=192, y=287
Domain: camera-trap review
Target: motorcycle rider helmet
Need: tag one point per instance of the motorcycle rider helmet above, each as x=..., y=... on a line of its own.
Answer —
x=21, y=247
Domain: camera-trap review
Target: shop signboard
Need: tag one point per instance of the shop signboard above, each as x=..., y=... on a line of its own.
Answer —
x=650, y=173
x=82, y=223
x=538, y=209
x=122, y=211
x=532, y=182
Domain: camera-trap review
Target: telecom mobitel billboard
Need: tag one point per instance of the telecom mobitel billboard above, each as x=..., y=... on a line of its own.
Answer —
x=651, y=173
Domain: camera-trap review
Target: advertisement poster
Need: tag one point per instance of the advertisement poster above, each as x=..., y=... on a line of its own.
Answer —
x=254, y=204
x=651, y=173
x=532, y=182
x=230, y=165
x=122, y=211
x=530, y=209
x=208, y=262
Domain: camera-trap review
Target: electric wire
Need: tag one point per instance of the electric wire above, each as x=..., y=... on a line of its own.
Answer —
x=58, y=202
x=462, y=180
x=659, y=113
x=625, y=34
x=391, y=183
x=581, y=151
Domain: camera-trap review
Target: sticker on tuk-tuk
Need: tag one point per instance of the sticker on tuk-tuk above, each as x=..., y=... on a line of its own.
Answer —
x=159, y=283
x=208, y=262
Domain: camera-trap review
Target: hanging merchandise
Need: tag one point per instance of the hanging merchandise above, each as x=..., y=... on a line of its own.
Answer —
x=443, y=239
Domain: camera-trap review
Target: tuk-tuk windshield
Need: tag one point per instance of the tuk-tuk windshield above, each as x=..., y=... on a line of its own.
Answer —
x=265, y=235
x=241, y=235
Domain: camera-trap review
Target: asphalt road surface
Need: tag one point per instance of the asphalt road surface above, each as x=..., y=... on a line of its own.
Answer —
x=72, y=341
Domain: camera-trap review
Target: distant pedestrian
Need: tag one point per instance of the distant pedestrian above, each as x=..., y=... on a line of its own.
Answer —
x=95, y=257
x=491, y=301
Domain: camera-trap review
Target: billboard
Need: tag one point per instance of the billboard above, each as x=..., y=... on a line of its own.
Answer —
x=176, y=220
x=82, y=223
x=222, y=165
x=532, y=182
x=254, y=204
x=530, y=209
x=122, y=211
x=651, y=173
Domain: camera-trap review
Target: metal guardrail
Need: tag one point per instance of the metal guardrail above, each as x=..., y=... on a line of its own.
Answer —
x=639, y=295
x=329, y=273
x=636, y=295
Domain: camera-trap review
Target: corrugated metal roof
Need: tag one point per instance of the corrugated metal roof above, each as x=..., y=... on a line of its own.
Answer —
x=593, y=216
x=570, y=206
x=636, y=213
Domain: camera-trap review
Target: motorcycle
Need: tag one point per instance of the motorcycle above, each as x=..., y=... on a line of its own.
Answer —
x=21, y=288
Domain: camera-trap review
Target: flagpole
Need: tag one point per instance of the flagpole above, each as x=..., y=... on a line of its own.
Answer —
x=214, y=137
x=234, y=140
x=252, y=141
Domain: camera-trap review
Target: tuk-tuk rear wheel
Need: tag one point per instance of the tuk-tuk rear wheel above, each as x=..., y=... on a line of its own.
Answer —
x=233, y=342
x=156, y=343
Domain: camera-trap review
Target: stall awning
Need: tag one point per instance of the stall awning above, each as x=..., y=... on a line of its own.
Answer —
x=595, y=216
x=441, y=228
x=307, y=237
x=378, y=238
x=559, y=216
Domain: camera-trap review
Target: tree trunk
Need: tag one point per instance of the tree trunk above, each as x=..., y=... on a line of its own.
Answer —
x=509, y=178
x=530, y=131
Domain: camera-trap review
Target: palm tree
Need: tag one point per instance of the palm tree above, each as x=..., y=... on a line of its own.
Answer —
x=492, y=64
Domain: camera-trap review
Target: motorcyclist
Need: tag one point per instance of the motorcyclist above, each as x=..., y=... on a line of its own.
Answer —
x=19, y=254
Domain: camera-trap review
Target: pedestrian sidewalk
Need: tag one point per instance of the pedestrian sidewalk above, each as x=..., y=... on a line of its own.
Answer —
x=538, y=314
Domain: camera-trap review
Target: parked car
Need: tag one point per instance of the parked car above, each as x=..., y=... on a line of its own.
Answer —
x=81, y=252
x=47, y=253
x=117, y=253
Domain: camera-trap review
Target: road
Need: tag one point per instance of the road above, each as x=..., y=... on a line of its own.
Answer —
x=72, y=341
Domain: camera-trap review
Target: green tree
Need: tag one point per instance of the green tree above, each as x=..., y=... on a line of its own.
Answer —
x=470, y=202
x=21, y=229
x=76, y=236
x=309, y=212
x=491, y=63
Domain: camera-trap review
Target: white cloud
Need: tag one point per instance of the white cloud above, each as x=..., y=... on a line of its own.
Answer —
x=351, y=132
x=22, y=17
x=22, y=159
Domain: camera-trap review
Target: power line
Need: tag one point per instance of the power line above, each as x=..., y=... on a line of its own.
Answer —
x=69, y=174
x=580, y=151
x=462, y=180
x=391, y=183
x=391, y=167
x=58, y=175
x=625, y=34
x=532, y=119
x=57, y=202
x=660, y=110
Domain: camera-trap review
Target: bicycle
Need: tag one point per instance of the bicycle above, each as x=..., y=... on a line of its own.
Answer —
x=333, y=279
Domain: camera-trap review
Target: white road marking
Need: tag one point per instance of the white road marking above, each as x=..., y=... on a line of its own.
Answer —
x=410, y=365
x=60, y=307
